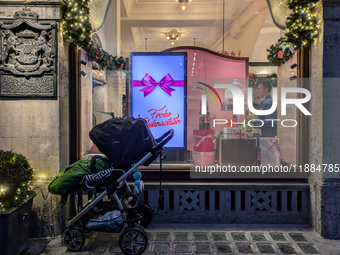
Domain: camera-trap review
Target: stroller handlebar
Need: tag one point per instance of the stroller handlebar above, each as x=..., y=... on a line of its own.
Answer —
x=164, y=139
x=164, y=135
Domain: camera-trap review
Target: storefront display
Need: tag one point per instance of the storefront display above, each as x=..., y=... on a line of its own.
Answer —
x=212, y=131
x=158, y=94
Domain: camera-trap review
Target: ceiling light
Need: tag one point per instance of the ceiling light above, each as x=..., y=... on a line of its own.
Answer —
x=183, y=2
x=172, y=35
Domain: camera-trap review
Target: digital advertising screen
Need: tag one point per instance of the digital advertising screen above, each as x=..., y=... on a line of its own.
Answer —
x=158, y=94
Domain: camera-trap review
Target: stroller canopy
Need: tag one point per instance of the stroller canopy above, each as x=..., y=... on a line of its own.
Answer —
x=124, y=141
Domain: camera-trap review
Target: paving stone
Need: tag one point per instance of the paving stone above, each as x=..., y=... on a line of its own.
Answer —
x=202, y=248
x=98, y=247
x=102, y=237
x=182, y=247
x=223, y=248
x=160, y=247
x=219, y=236
x=287, y=248
x=200, y=236
x=259, y=237
x=162, y=236
x=266, y=248
x=114, y=248
x=150, y=236
x=278, y=236
x=36, y=246
x=298, y=237
x=308, y=248
x=239, y=236
x=245, y=248
x=181, y=236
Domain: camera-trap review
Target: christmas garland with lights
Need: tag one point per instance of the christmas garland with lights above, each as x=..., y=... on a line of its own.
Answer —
x=77, y=29
x=281, y=52
x=16, y=179
x=301, y=30
x=301, y=26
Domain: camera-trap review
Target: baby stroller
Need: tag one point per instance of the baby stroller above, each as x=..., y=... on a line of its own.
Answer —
x=126, y=141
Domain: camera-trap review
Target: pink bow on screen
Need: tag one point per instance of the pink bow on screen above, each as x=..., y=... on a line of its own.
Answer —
x=150, y=84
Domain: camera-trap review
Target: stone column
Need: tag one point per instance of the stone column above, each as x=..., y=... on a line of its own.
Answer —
x=38, y=127
x=325, y=121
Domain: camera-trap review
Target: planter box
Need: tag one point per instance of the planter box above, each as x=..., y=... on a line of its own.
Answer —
x=14, y=228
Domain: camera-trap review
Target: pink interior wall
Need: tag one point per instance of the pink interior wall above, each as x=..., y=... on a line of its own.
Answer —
x=210, y=69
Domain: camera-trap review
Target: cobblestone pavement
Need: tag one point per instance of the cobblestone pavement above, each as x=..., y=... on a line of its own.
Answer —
x=207, y=239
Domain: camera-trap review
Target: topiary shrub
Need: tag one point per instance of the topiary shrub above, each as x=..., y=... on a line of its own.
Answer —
x=16, y=176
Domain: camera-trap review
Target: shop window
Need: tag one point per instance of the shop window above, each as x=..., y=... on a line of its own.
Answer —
x=213, y=132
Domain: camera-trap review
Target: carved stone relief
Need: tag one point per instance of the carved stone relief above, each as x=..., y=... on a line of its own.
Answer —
x=28, y=56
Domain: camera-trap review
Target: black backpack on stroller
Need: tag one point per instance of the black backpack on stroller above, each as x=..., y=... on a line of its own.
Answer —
x=116, y=138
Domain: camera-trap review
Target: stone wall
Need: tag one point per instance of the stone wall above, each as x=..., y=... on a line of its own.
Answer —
x=39, y=128
x=316, y=141
x=324, y=128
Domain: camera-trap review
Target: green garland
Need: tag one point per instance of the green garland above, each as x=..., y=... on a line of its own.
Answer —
x=103, y=58
x=301, y=30
x=77, y=31
x=301, y=26
x=286, y=49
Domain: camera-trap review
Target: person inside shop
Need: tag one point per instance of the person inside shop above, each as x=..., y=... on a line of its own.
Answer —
x=268, y=129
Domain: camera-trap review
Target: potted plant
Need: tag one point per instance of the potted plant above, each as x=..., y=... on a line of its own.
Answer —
x=16, y=196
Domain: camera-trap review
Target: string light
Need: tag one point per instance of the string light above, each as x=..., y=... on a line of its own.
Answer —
x=2, y=190
x=77, y=29
x=302, y=24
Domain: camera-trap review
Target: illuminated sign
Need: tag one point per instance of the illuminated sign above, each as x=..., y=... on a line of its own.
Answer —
x=158, y=93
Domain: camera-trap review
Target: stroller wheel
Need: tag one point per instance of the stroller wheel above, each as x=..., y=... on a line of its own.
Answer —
x=145, y=212
x=133, y=241
x=74, y=239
